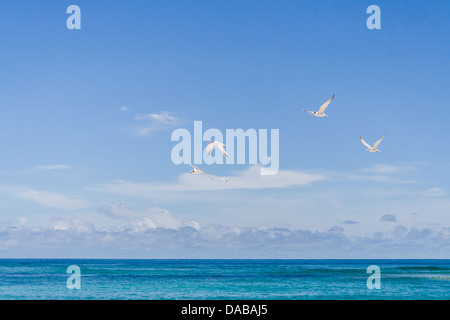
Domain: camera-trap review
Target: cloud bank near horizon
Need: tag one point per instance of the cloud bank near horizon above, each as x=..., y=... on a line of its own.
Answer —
x=155, y=233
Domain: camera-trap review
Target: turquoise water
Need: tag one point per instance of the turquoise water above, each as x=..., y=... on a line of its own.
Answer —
x=224, y=279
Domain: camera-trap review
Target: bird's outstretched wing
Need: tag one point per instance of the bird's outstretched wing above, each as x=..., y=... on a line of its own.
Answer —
x=222, y=149
x=217, y=144
x=365, y=143
x=325, y=105
x=198, y=171
x=209, y=147
x=375, y=145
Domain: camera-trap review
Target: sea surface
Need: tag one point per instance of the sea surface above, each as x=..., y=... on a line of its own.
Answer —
x=222, y=279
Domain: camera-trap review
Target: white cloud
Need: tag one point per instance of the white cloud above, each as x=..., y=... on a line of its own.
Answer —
x=156, y=121
x=123, y=109
x=379, y=173
x=434, y=192
x=163, y=117
x=117, y=211
x=49, y=199
x=54, y=167
x=246, y=179
x=359, y=177
x=74, y=224
x=152, y=218
x=381, y=168
x=22, y=220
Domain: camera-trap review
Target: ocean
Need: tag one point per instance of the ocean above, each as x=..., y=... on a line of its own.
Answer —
x=110, y=279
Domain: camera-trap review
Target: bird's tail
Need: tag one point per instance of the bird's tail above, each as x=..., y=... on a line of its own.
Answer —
x=304, y=110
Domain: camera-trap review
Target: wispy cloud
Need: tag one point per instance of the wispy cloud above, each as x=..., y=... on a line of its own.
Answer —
x=163, y=117
x=155, y=122
x=54, y=167
x=152, y=218
x=246, y=179
x=381, y=168
x=380, y=172
x=53, y=200
x=434, y=192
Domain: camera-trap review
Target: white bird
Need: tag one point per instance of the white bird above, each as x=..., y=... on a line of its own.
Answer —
x=217, y=144
x=375, y=145
x=196, y=170
x=225, y=179
x=321, y=111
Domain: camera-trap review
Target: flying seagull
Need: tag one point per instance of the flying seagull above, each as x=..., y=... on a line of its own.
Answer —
x=196, y=170
x=225, y=179
x=321, y=111
x=217, y=144
x=375, y=145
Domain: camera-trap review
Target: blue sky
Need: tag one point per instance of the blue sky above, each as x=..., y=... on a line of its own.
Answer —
x=86, y=118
